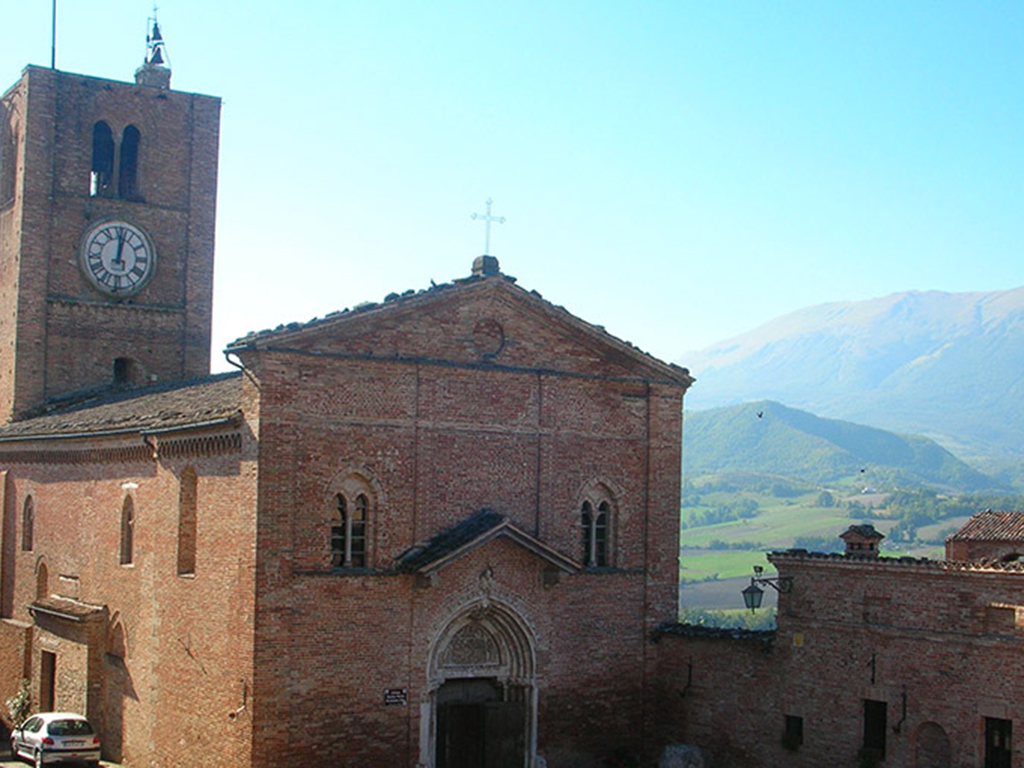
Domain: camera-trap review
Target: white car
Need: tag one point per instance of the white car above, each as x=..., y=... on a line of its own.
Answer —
x=56, y=737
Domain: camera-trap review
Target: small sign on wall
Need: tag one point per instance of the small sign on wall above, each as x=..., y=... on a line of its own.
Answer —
x=396, y=697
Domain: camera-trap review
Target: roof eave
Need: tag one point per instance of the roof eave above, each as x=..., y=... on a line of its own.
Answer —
x=277, y=339
x=503, y=529
x=233, y=421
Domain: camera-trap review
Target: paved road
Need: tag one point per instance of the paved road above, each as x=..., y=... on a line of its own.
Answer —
x=6, y=761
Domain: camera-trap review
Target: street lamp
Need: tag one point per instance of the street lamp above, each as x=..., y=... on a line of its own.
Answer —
x=753, y=595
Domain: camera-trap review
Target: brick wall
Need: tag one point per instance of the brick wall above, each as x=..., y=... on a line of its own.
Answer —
x=63, y=333
x=172, y=657
x=443, y=436
x=972, y=551
x=935, y=642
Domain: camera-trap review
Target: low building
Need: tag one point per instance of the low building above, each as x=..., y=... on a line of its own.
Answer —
x=903, y=660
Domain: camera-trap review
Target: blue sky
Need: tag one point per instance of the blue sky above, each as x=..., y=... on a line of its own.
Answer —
x=679, y=172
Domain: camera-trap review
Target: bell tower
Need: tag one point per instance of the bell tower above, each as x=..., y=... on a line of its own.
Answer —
x=107, y=202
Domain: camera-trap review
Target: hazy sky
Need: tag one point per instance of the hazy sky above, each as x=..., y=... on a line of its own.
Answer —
x=679, y=172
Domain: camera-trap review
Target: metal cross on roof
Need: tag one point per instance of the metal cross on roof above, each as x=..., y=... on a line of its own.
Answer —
x=487, y=218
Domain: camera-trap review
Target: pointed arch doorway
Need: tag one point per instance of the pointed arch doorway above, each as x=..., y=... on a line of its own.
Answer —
x=483, y=695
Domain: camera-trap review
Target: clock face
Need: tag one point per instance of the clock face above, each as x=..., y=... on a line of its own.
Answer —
x=117, y=257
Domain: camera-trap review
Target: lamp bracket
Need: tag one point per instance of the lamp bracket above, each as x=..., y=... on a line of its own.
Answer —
x=781, y=584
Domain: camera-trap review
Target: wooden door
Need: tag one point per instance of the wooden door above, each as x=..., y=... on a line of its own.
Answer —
x=484, y=735
x=47, y=681
x=504, y=734
x=998, y=742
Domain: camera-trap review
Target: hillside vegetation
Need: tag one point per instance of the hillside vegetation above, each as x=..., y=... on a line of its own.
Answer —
x=760, y=477
x=778, y=454
x=768, y=438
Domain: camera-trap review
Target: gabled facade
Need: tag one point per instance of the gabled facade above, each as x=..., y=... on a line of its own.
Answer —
x=434, y=408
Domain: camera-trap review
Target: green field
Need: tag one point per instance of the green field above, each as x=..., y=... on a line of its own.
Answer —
x=775, y=527
x=731, y=521
x=729, y=550
x=706, y=565
x=762, y=514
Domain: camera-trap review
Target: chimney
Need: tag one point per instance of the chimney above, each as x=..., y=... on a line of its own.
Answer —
x=862, y=540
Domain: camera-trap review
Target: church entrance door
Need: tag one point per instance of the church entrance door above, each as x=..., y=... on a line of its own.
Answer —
x=481, y=709
x=477, y=727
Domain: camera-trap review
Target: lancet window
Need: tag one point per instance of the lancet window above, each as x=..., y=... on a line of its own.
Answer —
x=127, y=531
x=348, y=530
x=594, y=522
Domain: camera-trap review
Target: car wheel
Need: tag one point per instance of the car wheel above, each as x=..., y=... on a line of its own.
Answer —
x=39, y=758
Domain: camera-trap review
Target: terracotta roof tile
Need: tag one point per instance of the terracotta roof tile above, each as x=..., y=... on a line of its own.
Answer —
x=66, y=608
x=178, y=404
x=701, y=631
x=992, y=526
x=448, y=541
x=863, y=531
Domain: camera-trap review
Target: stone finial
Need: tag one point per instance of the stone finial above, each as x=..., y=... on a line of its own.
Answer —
x=485, y=266
x=154, y=77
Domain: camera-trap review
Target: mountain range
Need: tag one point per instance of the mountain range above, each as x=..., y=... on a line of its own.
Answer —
x=949, y=366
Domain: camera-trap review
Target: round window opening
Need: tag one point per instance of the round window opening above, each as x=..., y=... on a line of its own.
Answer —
x=488, y=337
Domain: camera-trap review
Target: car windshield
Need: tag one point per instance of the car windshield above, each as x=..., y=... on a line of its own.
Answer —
x=69, y=728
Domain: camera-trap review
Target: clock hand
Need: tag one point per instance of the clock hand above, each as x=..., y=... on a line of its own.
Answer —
x=120, y=247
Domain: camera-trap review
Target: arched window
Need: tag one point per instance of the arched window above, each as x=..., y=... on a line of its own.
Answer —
x=339, y=525
x=595, y=524
x=42, y=581
x=348, y=531
x=101, y=183
x=357, y=531
x=128, y=169
x=601, y=534
x=126, y=371
x=187, y=507
x=28, y=524
x=127, y=531
x=117, y=640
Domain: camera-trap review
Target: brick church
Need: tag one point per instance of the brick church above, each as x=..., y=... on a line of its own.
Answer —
x=439, y=530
